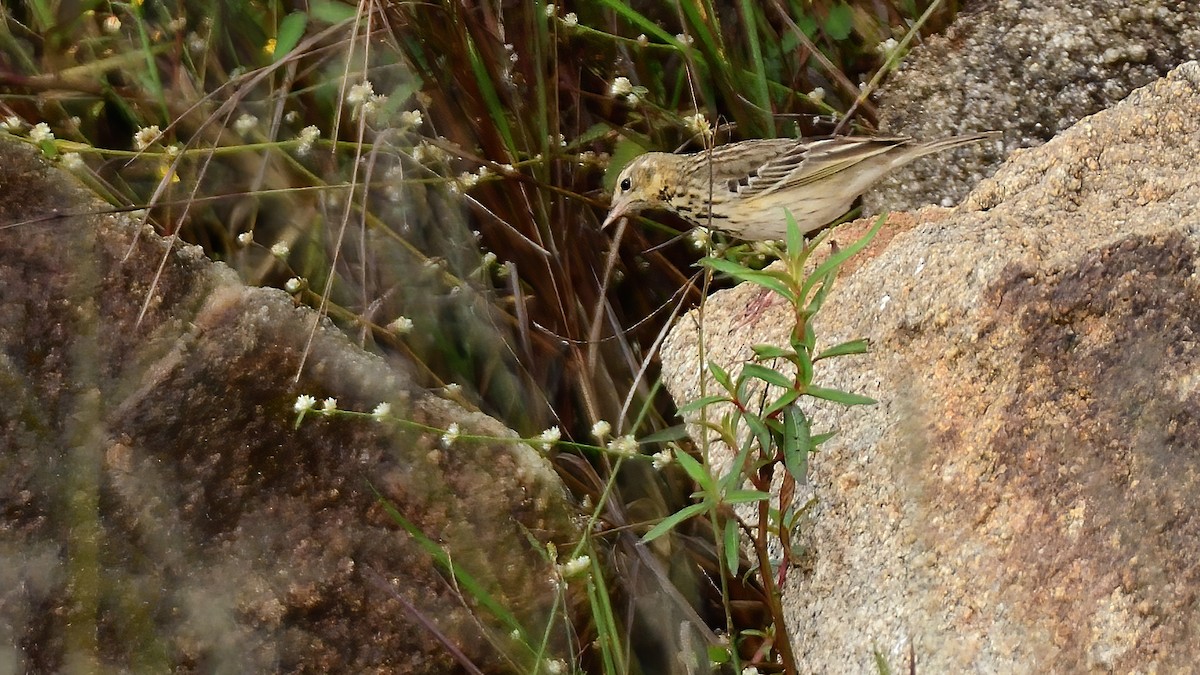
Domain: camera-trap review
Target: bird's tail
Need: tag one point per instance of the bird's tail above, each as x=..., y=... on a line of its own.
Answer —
x=928, y=148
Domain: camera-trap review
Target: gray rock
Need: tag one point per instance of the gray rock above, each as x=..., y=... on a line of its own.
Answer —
x=1022, y=497
x=1030, y=69
x=159, y=512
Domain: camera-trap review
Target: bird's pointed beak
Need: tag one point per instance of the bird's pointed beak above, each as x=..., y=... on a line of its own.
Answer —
x=618, y=210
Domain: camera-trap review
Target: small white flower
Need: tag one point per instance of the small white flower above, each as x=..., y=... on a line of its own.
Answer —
x=886, y=47
x=662, y=458
x=304, y=403
x=72, y=161
x=574, y=567
x=402, y=325
x=173, y=150
x=451, y=435
x=245, y=238
x=41, y=132
x=700, y=238
x=195, y=43
x=749, y=670
x=245, y=123
x=601, y=429
x=427, y=153
x=381, y=411
x=685, y=39
x=145, y=136
x=549, y=437
x=374, y=104
x=280, y=250
x=488, y=260
x=294, y=285
x=551, y=9
x=642, y=40
x=698, y=123
x=467, y=180
x=817, y=94
x=625, y=445
x=411, y=118
x=329, y=405
x=360, y=93
x=111, y=24
x=555, y=666
x=13, y=124
x=632, y=100
x=571, y=20
x=620, y=87
x=307, y=136
x=291, y=116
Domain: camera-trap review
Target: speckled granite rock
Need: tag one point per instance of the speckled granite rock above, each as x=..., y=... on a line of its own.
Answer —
x=1030, y=68
x=1022, y=499
x=159, y=513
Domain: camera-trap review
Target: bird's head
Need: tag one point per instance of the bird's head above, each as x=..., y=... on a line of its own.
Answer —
x=646, y=183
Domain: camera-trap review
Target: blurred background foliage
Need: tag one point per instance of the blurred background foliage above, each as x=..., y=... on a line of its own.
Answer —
x=432, y=174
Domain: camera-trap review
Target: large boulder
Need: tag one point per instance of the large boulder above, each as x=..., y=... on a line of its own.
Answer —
x=1022, y=498
x=159, y=510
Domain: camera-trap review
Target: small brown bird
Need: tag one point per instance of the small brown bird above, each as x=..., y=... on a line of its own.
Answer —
x=745, y=186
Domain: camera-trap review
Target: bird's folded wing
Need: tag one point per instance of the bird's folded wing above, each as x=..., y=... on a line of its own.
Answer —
x=807, y=163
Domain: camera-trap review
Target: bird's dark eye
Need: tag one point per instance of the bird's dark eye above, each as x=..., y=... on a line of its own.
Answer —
x=626, y=184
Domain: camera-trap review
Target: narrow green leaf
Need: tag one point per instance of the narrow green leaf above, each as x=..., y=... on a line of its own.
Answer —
x=669, y=434
x=795, y=238
x=721, y=376
x=805, y=367
x=331, y=11
x=696, y=471
x=839, y=396
x=497, y=112
x=643, y=24
x=746, y=496
x=608, y=635
x=759, y=428
x=758, y=89
x=719, y=654
x=778, y=282
x=833, y=262
x=768, y=375
x=735, y=477
x=674, y=519
x=786, y=399
x=702, y=402
x=732, y=543
x=291, y=29
x=861, y=346
x=818, y=439
x=797, y=443
x=765, y=351
x=472, y=587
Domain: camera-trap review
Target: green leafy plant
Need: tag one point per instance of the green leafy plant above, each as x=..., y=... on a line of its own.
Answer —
x=766, y=424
